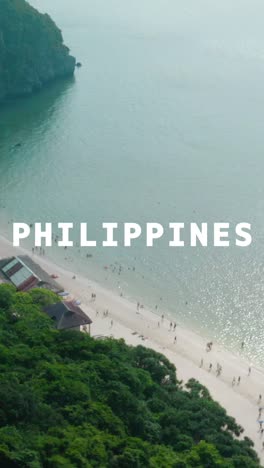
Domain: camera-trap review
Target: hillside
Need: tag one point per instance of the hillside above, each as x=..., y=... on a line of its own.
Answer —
x=32, y=52
x=67, y=400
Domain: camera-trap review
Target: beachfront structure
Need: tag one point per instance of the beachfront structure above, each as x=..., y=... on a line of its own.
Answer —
x=25, y=274
x=68, y=316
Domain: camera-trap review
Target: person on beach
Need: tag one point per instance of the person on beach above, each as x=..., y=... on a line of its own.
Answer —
x=238, y=380
x=162, y=318
x=233, y=381
x=174, y=326
x=249, y=371
x=262, y=445
x=97, y=313
x=138, y=305
x=158, y=325
x=170, y=326
x=175, y=339
x=218, y=369
x=112, y=323
x=210, y=366
x=209, y=346
x=259, y=399
x=202, y=362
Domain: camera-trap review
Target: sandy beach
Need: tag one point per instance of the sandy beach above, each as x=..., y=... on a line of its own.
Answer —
x=147, y=328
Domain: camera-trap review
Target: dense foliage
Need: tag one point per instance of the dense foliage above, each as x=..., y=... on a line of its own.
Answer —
x=32, y=52
x=67, y=400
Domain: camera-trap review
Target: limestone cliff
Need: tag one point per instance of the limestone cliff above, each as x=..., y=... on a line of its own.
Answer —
x=32, y=52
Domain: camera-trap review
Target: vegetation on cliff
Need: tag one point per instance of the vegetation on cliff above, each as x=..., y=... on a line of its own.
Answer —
x=67, y=400
x=32, y=52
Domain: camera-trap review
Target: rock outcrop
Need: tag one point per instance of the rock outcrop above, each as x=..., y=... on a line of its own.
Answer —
x=32, y=52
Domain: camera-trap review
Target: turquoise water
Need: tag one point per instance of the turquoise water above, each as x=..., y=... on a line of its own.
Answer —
x=164, y=122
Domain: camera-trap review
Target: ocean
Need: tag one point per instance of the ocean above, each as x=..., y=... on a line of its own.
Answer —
x=163, y=123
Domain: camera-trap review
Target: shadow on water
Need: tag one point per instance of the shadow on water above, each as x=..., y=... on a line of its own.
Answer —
x=24, y=117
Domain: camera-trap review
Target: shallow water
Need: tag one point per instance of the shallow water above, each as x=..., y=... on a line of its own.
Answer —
x=164, y=122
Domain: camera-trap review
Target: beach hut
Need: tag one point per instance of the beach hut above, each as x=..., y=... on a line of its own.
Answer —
x=25, y=274
x=68, y=316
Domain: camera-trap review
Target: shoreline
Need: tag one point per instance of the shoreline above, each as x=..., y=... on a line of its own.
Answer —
x=141, y=327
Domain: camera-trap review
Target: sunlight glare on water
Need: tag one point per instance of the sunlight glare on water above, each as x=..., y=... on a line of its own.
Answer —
x=164, y=122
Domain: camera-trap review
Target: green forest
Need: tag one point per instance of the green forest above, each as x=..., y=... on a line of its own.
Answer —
x=68, y=400
x=32, y=52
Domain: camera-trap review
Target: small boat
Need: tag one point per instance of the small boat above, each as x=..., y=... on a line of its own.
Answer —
x=54, y=276
x=64, y=294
